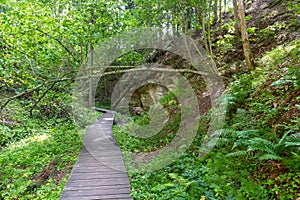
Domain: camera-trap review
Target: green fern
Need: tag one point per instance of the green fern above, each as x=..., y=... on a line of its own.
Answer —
x=228, y=137
x=262, y=148
x=224, y=136
x=238, y=154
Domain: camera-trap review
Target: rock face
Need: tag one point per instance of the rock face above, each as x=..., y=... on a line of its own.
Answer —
x=151, y=95
x=146, y=96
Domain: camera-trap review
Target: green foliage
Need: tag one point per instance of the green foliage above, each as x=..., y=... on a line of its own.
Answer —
x=265, y=149
x=294, y=6
x=292, y=77
x=184, y=179
x=284, y=186
x=250, y=190
x=126, y=135
x=229, y=178
x=240, y=89
x=134, y=58
x=32, y=147
x=243, y=165
x=42, y=41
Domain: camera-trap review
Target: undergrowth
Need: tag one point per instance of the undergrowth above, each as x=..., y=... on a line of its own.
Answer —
x=258, y=153
x=36, y=154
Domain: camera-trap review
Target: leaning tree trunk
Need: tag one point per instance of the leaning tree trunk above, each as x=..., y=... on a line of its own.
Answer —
x=245, y=39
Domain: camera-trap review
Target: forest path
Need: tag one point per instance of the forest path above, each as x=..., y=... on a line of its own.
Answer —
x=99, y=172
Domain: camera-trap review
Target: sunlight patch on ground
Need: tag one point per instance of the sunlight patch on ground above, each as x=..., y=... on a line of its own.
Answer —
x=27, y=141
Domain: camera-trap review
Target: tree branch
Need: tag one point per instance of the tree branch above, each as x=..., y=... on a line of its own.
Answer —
x=97, y=75
x=133, y=69
x=7, y=100
x=41, y=97
x=59, y=42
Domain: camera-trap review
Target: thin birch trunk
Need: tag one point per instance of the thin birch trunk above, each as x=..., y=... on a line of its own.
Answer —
x=245, y=38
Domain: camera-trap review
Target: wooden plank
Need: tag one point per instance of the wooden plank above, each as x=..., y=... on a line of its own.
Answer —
x=106, y=153
x=98, y=197
x=100, y=159
x=113, y=154
x=97, y=182
x=94, y=148
x=94, y=192
x=91, y=176
x=103, y=187
x=113, y=165
x=103, y=169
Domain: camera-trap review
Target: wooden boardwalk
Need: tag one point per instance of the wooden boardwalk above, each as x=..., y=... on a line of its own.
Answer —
x=99, y=172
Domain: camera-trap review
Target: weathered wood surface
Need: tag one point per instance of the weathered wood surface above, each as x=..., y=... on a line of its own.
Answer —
x=99, y=172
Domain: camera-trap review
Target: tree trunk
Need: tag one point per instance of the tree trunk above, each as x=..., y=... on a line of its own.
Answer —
x=236, y=17
x=91, y=65
x=215, y=11
x=202, y=21
x=182, y=20
x=245, y=39
x=209, y=29
x=90, y=74
x=220, y=15
x=189, y=17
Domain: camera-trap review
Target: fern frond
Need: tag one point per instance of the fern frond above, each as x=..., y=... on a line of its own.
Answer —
x=294, y=137
x=265, y=145
x=292, y=144
x=260, y=148
x=237, y=153
x=269, y=157
x=246, y=134
x=228, y=132
x=222, y=141
x=283, y=138
x=258, y=140
x=218, y=133
x=239, y=143
x=296, y=155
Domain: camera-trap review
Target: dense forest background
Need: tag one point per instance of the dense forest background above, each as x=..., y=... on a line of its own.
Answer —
x=254, y=44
